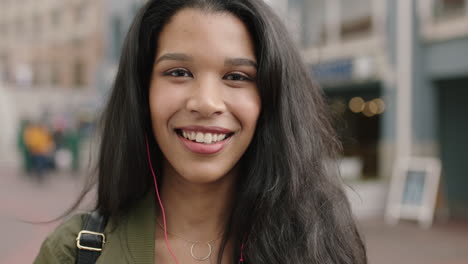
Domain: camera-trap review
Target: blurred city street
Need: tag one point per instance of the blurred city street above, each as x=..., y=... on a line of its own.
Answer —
x=394, y=74
x=406, y=243
x=23, y=199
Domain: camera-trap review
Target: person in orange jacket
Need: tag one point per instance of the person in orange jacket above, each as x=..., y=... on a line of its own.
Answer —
x=40, y=145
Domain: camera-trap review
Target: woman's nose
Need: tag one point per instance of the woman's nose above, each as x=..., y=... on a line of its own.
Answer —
x=206, y=98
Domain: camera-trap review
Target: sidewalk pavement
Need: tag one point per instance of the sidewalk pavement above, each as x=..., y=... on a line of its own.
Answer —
x=22, y=198
x=407, y=243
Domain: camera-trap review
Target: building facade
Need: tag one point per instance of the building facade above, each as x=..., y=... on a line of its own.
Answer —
x=395, y=72
x=49, y=53
x=56, y=58
x=441, y=93
x=50, y=44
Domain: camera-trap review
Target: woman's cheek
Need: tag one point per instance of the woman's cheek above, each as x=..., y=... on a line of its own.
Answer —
x=246, y=105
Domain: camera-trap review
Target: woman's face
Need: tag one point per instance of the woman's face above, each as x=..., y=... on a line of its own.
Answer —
x=204, y=100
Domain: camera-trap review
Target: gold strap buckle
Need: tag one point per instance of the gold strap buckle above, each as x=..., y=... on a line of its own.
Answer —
x=90, y=233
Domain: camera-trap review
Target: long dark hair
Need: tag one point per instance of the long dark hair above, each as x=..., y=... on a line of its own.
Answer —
x=290, y=205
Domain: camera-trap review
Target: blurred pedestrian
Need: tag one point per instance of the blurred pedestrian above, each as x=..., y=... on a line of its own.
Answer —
x=59, y=127
x=215, y=148
x=40, y=145
x=72, y=140
x=63, y=157
x=26, y=156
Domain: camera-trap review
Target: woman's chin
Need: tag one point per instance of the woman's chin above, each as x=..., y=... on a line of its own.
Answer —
x=204, y=178
x=202, y=172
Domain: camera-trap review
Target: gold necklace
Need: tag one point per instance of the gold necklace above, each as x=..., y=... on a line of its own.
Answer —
x=194, y=244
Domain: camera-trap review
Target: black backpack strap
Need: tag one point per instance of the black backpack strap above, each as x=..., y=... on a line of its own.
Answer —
x=91, y=238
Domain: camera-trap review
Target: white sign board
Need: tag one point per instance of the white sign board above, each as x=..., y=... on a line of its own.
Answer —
x=413, y=190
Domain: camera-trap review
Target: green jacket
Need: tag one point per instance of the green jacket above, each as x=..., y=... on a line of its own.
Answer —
x=132, y=241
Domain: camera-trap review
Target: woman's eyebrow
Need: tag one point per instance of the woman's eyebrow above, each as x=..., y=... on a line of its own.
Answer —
x=240, y=62
x=228, y=61
x=174, y=56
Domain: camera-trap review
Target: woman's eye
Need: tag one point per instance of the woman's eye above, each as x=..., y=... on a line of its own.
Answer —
x=178, y=73
x=237, y=77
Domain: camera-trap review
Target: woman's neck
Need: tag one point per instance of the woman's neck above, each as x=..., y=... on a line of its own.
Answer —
x=196, y=211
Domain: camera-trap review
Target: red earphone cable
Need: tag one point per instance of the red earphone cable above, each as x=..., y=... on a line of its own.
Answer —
x=160, y=202
x=163, y=212
x=242, y=253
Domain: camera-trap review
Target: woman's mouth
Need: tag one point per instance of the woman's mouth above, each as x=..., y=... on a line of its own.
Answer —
x=204, y=142
x=204, y=138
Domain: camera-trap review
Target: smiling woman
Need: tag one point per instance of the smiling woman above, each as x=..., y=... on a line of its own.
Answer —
x=216, y=148
x=203, y=85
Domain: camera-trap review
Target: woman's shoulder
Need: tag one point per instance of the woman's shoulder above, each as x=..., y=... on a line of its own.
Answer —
x=60, y=245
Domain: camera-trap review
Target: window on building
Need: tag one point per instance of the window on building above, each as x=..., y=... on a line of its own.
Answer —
x=331, y=20
x=77, y=42
x=450, y=8
x=5, y=32
x=117, y=36
x=54, y=74
x=27, y=30
x=3, y=67
x=78, y=74
x=312, y=21
x=356, y=18
x=358, y=126
x=37, y=74
x=20, y=28
x=80, y=13
x=37, y=25
x=55, y=18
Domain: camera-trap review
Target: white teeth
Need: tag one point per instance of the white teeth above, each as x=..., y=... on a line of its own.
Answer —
x=207, y=138
x=200, y=137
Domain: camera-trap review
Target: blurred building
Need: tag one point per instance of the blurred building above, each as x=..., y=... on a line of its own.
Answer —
x=57, y=58
x=49, y=53
x=441, y=111
x=356, y=50
x=51, y=44
x=63, y=55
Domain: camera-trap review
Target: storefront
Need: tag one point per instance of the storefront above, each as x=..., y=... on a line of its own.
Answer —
x=354, y=96
x=453, y=131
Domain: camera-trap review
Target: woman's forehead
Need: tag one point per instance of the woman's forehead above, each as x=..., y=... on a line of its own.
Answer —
x=196, y=31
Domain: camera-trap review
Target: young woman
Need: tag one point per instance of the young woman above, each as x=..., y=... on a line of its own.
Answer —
x=216, y=147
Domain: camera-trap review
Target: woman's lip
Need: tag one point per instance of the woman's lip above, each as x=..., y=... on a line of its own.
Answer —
x=206, y=129
x=201, y=148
